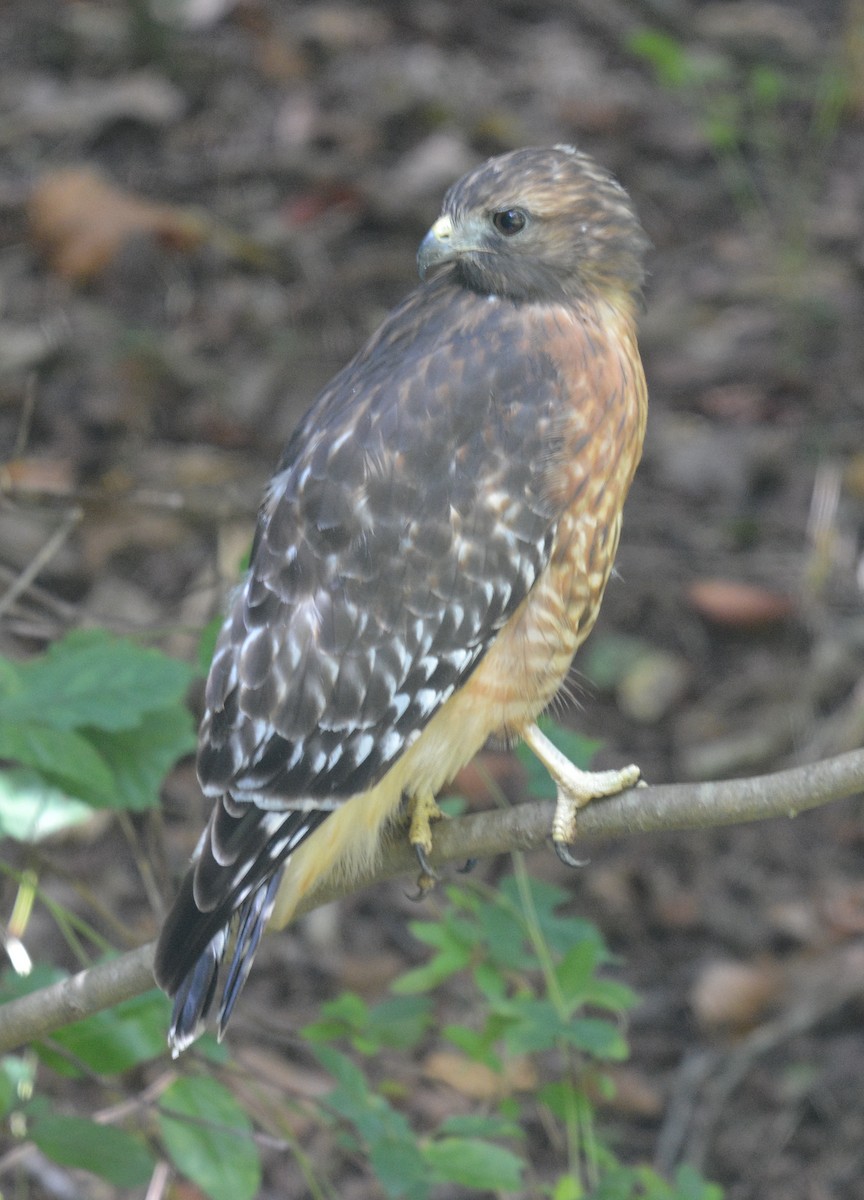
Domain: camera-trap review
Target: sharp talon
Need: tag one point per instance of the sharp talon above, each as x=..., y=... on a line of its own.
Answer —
x=468, y=867
x=563, y=852
x=426, y=868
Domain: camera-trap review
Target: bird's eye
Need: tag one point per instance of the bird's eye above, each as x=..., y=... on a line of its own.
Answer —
x=509, y=221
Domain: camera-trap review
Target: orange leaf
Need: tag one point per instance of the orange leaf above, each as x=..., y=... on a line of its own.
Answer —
x=80, y=221
x=738, y=605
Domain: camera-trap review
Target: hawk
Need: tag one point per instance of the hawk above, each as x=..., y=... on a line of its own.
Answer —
x=431, y=551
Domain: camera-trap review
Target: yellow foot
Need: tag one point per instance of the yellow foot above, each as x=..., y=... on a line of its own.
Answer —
x=575, y=789
x=424, y=811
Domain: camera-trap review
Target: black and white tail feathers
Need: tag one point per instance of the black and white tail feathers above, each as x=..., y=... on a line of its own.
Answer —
x=223, y=906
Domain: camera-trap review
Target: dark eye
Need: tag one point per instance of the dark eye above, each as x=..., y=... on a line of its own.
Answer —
x=509, y=221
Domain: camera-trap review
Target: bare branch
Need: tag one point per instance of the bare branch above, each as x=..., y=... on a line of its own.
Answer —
x=524, y=827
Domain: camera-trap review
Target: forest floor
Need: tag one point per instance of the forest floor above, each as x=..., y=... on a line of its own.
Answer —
x=152, y=364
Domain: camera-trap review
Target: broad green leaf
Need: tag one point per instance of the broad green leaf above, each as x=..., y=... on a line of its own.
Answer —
x=598, y=1038
x=490, y=981
x=567, y=1187
x=560, y=931
x=214, y=1147
x=399, y=1022
x=431, y=974
x=13, y=985
x=575, y=971
x=607, y=993
x=689, y=1185
x=475, y=1125
x=476, y=1044
x=475, y=1164
x=558, y=1097
x=93, y=678
x=344, y=1071
x=63, y=757
x=504, y=937
x=31, y=809
x=667, y=56
x=539, y=1027
x=400, y=1167
x=8, y=1087
x=141, y=758
x=112, y=1041
x=105, y=1151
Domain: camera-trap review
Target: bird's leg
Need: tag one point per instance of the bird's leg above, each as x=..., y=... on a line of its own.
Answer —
x=575, y=788
x=423, y=811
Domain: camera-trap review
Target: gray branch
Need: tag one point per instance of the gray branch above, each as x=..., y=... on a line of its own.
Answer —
x=523, y=827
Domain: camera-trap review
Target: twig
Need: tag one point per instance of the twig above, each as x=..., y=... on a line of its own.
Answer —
x=41, y=560
x=838, y=981
x=524, y=827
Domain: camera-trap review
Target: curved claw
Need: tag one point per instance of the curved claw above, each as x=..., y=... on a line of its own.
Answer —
x=426, y=867
x=427, y=878
x=563, y=852
x=468, y=866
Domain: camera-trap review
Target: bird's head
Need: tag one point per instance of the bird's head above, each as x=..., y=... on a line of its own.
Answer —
x=539, y=224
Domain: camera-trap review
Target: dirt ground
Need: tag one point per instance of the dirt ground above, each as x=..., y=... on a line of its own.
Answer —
x=279, y=162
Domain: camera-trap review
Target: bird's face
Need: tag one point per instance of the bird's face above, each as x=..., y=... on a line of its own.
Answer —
x=538, y=224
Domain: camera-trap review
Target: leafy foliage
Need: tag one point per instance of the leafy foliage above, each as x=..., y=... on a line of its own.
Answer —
x=537, y=991
x=96, y=722
x=96, y=718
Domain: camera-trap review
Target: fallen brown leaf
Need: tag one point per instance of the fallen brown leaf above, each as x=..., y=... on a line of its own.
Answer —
x=730, y=995
x=738, y=605
x=80, y=221
x=477, y=1081
x=45, y=476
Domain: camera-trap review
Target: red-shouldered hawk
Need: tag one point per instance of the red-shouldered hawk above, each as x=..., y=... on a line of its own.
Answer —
x=429, y=555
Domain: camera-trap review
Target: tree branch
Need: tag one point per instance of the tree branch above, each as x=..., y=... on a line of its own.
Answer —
x=523, y=827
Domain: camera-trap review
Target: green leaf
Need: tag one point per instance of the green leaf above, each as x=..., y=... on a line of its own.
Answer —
x=665, y=54
x=472, y=1163
x=689, y=1185
x=105, y=1151
x=112, y=1041
x=477, y=1125
x=8, y=1085
x=343, y=1070
x=31, y=809
x=214, y=1147
x=64, y=758
x=456, y=949
x=567, y=1187
x=606, y=993
x=539, y=1027
x=93, y=678
x=354, y=1100
x=476, y=1044
x=400, y=1167
x=575, y=971
x=142, y=757
x=399, y=1023
x=341, y=1017
x=504, y=935
x=558, y=1096
x=13, y=985
x=559, y=931
x=598, y=1038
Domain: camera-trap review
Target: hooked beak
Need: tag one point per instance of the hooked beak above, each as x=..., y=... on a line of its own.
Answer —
x=437, y=246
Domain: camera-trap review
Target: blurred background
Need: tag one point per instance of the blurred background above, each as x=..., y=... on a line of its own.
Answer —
x=206, y=206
